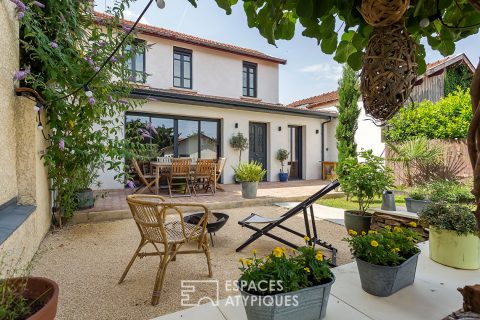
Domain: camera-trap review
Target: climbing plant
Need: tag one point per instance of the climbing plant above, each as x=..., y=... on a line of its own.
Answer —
x=458, y=76
x=62, y=45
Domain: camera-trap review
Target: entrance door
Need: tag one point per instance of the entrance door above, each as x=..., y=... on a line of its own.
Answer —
x=295, y=144
x=258, y=143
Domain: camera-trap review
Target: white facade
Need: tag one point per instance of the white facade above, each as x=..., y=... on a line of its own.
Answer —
x=368, y=135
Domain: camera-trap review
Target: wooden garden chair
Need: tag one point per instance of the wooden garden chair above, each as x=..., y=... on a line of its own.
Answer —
x=162, y=224
x=205, y=176
x=179, y=176
x=220, y=166
x=147, y=180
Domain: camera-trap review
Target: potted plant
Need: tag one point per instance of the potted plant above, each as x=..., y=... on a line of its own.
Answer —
x=249, y=175
x=453, y=238
x=281, y=156
x=417, y=199
x=25, y=297
x=240, y=143
x=386, y=259
x=84, y=197
x=364, y=181
x=286, y=287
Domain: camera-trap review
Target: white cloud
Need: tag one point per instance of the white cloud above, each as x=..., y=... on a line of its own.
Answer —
x=130, y=15
x=329, y=71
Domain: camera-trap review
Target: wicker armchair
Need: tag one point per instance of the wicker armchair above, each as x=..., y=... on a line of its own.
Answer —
x=162, y=223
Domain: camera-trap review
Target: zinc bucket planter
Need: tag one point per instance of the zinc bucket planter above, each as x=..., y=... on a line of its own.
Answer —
x=357, y=222
x=414, y=205
x=311, y=304
x=85, y=199
x=383, y=281
x=249, y=190
x=453, y=250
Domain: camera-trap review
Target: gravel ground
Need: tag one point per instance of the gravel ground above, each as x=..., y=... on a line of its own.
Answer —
x=87, y=260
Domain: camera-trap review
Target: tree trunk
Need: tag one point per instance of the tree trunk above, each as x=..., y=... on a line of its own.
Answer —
x=473, y=140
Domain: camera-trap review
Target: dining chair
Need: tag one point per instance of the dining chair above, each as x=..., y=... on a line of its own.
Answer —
x=220, y=166
x=178, y=178
x=162, y=224
x=205, y=176
x=147, y=180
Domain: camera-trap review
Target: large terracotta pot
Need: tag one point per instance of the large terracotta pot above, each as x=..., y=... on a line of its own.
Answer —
x=43, y=289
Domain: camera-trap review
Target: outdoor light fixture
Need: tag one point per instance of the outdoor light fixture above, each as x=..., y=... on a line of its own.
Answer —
x=316, y=131
x=236, y=125
x=160, y=4
x=279, y=128
x=87, y=90
x=38, y=106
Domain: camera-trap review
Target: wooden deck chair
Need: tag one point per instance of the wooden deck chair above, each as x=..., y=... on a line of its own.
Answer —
x=179, y=176
x=220, y=166
x=205, y=176
x=271, y=223
x=161, y=224
x=147, y=181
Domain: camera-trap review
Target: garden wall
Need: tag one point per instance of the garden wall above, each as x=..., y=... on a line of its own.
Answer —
x=455, y=155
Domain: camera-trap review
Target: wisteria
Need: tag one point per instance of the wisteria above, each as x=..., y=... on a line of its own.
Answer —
x=61, y=144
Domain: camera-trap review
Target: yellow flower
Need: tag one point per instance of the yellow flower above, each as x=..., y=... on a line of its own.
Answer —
x=352, y=232
x=277, y=252
x=254, y=252
x=397, y=229
x=284, y=250
x=306, y=238
x=396, y=249
x=241, y=260
x=307, y=269
x=388, y=227
x=319, y=256
x=71, y=123
x=409, y=238
x=363, y=233
x=248, y=262
x=412, y=224
x=374, y=243
x=372, y=232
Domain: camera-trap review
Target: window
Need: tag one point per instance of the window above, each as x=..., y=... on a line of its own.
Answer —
x=136, y=64
x=182, y=68
x=249, y=79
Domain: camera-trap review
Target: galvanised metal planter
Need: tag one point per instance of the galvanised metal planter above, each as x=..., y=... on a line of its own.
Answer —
x=354, y=220
x=414, y=205
x=312, y=304
x=383, y=281
x=249, y=190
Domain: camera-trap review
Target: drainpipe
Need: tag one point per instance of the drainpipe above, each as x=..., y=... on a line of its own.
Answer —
x=322, y=158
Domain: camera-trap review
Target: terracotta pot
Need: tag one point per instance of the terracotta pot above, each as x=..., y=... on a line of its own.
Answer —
x=45, y=290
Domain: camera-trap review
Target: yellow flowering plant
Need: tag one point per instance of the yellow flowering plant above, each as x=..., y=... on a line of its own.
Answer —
x=386, y=247
x=304, y=267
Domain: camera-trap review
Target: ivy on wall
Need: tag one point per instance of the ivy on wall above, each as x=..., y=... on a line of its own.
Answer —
x=449, y=118
x=457, y=76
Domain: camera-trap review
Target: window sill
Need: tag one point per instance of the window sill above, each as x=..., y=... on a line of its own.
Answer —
x=252, y=99
x=13, y=215
x=183, y=90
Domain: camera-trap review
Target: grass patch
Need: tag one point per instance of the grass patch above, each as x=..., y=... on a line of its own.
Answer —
x=342, y=202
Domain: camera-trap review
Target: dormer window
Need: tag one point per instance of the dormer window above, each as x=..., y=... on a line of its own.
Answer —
x=182, y=68
x=249, y=79
x=136, y=63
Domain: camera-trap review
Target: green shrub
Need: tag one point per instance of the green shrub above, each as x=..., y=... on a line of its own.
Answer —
x=450, y=192
x=418, y=193
x=365, y=180
x=384, y=247
x=454, y=217
x=239, y=142
x=249, y=172
x=449, y=118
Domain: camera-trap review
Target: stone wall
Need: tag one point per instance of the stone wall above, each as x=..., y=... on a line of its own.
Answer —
x=380, y=220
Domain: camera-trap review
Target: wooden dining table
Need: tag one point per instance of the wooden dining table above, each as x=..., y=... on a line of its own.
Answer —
x=159, y=165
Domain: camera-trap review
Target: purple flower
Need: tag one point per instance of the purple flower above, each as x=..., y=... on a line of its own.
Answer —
x=101, y=43
x=132, y=78
x=20, y=5
x=91, y=100
x=39, y=4
x=126, y=29
x=20, y=15
x=61, y=144
x=151, y=127
x=113, y=59
x=146, y=135
x=21, y=74
x=130, y=184
x=111, y=100
x=53, y=45
x=97, y=68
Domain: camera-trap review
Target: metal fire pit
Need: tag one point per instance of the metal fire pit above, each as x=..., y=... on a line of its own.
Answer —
x=215, y=222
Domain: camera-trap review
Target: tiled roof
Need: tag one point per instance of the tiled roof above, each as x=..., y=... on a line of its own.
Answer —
x=329, y=97
x=185, y=38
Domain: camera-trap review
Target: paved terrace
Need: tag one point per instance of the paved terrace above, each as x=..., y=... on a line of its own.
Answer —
x=112, y=204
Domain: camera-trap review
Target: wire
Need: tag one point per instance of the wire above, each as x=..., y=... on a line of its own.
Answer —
x=107, y=60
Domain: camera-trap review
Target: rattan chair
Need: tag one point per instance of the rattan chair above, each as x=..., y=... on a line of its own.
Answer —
x=162, y=223
x=179, y=176
x=205, y=176
x=147, y=180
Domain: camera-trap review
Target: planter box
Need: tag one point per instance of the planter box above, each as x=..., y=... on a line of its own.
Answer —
x=383, y=281
x=312, y=304
x=415, y=206
x=453, y=250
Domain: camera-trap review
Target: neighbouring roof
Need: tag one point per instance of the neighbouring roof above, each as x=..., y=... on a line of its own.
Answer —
x=191, y=97
x=186, y=38
x=433, y=68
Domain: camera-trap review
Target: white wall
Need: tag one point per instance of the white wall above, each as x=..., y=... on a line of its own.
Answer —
x=276, y=139
x=214, y=73
x=368, y=135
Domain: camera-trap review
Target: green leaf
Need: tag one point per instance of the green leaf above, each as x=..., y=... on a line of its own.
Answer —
x=225, y=4
x=193, y=2
x=329, y=45
x=344, y=50
x=446, y=47
x=304, y=8
x=323, y=7
x=355, y=60
x=327, y=26
x=251, y=13
x=286, y=28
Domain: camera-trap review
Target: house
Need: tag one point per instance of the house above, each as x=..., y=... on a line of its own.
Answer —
x=200, y=92
x=432, y=85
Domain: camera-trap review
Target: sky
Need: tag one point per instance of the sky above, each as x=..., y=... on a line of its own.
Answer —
x=308, y=71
